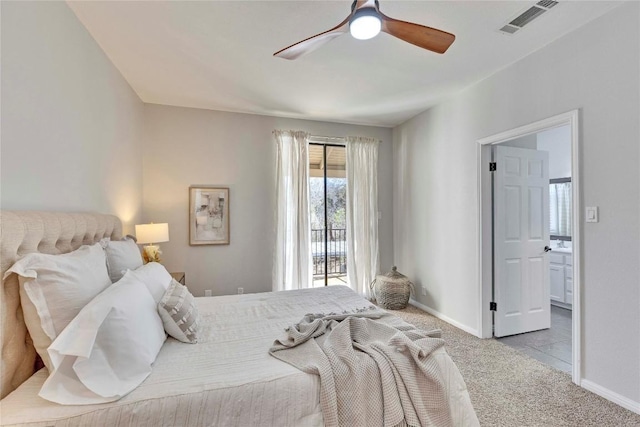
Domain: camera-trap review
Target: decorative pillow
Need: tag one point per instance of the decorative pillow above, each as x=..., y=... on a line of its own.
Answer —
x=108, y=349
x=155, y=277
x=179, y=313
x=122, y=255
x=54, y=288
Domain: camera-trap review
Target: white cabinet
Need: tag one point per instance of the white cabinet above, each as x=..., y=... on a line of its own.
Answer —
x=568, y=281
x=557, y=282
x=561, y=272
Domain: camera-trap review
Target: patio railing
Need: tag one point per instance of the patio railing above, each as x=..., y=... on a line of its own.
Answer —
x=336, y=252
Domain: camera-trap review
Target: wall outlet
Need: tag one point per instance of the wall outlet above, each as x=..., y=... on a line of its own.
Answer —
x=424, y=290
x=240, y=291
x=207, y=293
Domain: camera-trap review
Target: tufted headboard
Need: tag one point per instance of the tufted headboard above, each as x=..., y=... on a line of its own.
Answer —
x=23, y=232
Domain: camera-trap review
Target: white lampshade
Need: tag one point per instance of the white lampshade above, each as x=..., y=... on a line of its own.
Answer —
x=365, y=24
x=152, y=233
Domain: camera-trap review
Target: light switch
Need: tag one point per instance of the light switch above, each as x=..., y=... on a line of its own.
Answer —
x=592, y=214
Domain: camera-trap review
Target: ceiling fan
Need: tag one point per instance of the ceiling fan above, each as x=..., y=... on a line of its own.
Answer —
x=365, y=22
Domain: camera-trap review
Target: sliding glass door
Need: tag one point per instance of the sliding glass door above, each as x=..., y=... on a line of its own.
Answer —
x=328, y=209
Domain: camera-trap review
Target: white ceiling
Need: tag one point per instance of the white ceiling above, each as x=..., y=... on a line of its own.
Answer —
x=218, y=55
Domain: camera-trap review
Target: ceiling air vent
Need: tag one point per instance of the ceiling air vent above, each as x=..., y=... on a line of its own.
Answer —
x=509, y=29
x=547, y=3
x=527, y=16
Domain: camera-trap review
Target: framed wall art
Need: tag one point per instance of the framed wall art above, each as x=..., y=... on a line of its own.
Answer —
x=208, y=215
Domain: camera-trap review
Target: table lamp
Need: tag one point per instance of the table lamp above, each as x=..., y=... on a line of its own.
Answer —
x=149, y=235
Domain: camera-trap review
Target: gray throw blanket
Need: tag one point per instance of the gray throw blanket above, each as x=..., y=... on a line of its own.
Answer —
x=371, y=373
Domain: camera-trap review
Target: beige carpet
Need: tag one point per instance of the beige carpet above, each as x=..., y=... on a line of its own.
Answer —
x=508, y=388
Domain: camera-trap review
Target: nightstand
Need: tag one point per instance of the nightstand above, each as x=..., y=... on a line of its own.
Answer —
x=179, y=277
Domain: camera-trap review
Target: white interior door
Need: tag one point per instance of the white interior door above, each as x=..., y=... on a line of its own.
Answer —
x=521, y=233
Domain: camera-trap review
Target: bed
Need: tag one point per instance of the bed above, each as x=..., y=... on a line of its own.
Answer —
x=228, y=378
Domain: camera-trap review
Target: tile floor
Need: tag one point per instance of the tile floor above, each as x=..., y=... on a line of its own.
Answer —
x=550, y=346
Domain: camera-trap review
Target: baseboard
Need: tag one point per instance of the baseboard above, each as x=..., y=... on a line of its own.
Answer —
x=441, y=316
x=614, y=397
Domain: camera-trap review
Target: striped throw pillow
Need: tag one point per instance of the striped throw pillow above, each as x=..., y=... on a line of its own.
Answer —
x=179, y=313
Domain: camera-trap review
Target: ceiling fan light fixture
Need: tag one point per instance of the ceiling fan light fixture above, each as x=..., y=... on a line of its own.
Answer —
x=365, y=24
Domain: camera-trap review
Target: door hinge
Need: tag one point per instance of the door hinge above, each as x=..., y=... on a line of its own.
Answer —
x=492, y=166
x=493, y=306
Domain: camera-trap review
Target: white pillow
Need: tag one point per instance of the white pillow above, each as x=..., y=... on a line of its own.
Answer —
x=54, y=288
x=122, y=255
x=155, y=277
x=179, y=313
x=108, y=349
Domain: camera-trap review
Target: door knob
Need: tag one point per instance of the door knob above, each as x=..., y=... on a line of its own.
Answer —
x=547, y=248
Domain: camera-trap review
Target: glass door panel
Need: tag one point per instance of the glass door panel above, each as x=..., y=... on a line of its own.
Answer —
x=328, y=208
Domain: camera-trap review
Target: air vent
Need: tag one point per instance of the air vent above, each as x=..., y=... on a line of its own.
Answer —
x=548, y=4
x=509, y=29
x=527, y=16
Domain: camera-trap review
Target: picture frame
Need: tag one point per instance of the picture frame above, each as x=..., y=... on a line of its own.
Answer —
x=208, y=215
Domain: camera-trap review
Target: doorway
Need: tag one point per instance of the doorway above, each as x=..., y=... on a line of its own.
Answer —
x=493, y=304
x=327, y=208
x=539, y=324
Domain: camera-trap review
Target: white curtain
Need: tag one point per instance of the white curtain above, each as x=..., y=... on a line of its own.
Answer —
x=560, y=209
x=292, y=257
x=362, y=213
x=553, y=209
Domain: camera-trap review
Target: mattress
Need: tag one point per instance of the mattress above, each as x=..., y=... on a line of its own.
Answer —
x=228, y=378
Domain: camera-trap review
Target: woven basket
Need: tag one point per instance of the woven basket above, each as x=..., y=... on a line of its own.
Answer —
x=392, y=290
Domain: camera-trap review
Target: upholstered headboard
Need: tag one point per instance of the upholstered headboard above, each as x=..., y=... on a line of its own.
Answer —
x=23, y=232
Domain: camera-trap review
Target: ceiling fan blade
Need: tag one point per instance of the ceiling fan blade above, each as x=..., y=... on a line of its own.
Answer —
x=312, y=43
x=425, y=37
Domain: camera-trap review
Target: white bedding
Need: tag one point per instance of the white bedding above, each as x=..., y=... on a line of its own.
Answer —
x=228, y=378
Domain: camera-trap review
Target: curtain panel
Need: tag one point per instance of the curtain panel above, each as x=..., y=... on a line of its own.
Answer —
x=560, y=209
x=292, y=255
x=362, y=213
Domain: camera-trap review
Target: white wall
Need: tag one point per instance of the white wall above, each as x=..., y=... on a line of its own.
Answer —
x=71, y=125
x=189, y=146
x=527, y=141
x=595, y=69
x=557, y=142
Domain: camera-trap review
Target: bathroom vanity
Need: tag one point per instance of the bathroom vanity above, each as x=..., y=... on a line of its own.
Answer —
x=561, y=271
